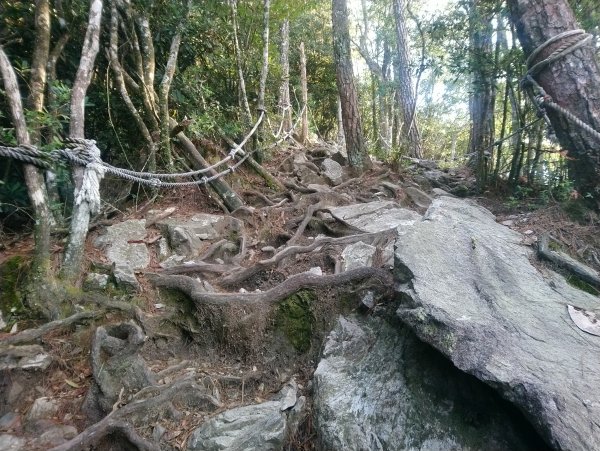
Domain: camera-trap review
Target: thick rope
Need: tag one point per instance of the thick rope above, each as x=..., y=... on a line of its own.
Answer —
x=84, y=152
x=574, y=39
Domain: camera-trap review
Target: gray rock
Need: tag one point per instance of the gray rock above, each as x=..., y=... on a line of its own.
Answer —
x=118, y=248
x=471, y=291
x=378, y=387
x=420, y=198
x=11, y=443
x=42, y=408
x=163, y=251
x=439, y=192
x=25, y=357
x=375, y=216
x=368, y=300
x=173, y=260
x=2, y=322
x=357, y=255
x=10, y=420
x=94, y=281
x=125, y=278
x=186, y=237
x=256, y=427
x=56, y=435
x=340, y=156
x=332, y=170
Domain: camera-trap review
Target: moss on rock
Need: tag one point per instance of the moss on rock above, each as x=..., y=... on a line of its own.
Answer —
x=295, y=319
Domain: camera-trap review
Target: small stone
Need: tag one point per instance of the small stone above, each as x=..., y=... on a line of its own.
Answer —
x=368, y=300
x=357, y=255
x=2, y=322
x=125, y=278
x=508, y=223
x=158, y=432
x=243, y=290
x=159, y=306
x=528, y=232
x=57, y=435
x=332, y=170
x=164, y=251
x=316, y=270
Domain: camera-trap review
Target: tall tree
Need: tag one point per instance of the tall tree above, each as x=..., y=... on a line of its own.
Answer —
x=406, y=96
x=481, y=101
x=355, y=142
x=572, y=82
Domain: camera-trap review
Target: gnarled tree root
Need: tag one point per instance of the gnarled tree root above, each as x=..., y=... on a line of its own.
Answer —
x=298, y=282
x=117, y=421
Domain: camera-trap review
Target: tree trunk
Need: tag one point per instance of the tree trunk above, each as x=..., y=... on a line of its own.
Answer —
x=573, y=82
x=304, y=91
x=406, y=96
x=355, y=143
x=263, y=77
x=72, y=264
x=238, y=59
x=482, y=97
x=284, y=94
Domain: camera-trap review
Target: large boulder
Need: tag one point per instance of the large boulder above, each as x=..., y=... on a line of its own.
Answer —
x=470, y=290
x=378, y=387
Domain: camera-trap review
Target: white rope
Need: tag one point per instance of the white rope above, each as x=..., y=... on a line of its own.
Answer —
x=93, y=173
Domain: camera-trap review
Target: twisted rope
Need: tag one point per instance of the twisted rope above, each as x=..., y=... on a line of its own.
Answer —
x=574, y=39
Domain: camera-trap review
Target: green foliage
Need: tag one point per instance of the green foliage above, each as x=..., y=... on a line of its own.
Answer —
x=12, y=276
x=577, y=282
x=295, y=319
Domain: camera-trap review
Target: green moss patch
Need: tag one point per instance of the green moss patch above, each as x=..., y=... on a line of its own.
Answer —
x=576, y=282
x=12, y=277
x=295, y=319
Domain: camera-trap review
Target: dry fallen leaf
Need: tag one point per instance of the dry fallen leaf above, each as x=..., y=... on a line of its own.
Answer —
x=587, y=321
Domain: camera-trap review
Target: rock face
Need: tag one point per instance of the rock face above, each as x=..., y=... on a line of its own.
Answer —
x=379, y=388
x=375, y=216
x=470, y=290
x=258, y=427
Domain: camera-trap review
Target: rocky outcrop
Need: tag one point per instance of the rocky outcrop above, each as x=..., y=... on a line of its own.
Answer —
x=378, y=387
x=470, y=290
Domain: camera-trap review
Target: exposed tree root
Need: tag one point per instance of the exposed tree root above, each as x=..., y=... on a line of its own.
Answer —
x=199, y=267
x=240, y=275
x=301, y=189
x=309, y=214
x=117, y=421
x=29, y=335
x=580, y=270
x=298, y=282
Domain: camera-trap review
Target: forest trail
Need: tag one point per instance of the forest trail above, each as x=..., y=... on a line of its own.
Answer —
x=211, y=327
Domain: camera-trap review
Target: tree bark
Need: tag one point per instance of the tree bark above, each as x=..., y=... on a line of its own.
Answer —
x=355, y=142
x=406, y=96
x=238, y=59
x=481, y=104
x=304, y=91
x=263, y=78
x=81, y=212
x=573, y=82
x=284, y=94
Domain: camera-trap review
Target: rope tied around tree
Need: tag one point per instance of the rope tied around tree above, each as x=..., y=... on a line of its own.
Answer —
x=94, y=172
x=573, y=40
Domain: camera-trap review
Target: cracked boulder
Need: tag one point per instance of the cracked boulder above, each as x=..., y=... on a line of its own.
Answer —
x=378, y=387
x=375, y=216
x=470, y=290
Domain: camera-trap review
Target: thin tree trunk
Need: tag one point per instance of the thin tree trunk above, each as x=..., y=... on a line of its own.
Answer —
x=284, y=94
x=406, y=96
x=355, y=143
x=73, y=259
x=238, y=59
x=263, y=78
x=341, y=139
x=163, y=95
x=304, y=92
